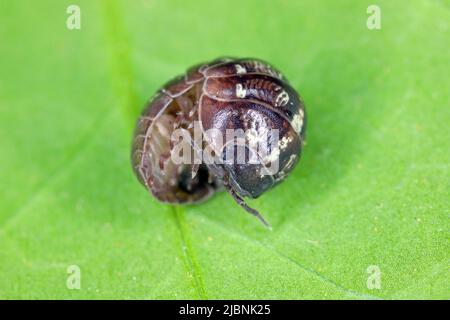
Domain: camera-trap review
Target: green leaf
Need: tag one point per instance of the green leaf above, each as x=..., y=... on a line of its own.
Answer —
x=372, y=188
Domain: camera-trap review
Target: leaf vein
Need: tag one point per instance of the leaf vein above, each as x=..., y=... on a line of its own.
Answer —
x=190, y=259
x=296, y=263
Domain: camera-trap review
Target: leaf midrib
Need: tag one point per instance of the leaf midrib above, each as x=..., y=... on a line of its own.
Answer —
x=123, y=80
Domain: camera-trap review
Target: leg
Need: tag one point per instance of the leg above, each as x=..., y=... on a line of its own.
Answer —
x=244, y=205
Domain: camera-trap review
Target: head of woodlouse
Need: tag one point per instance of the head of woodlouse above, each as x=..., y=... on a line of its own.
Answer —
x=247, y=96
x=253, y=178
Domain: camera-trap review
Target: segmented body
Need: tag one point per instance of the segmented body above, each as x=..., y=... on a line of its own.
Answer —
x=223, y=94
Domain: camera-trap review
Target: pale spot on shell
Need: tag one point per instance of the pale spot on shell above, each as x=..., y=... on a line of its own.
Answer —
x=297, y=122
x=240, y=69
x=284, y=142
x=240, y=91
x=282, y=99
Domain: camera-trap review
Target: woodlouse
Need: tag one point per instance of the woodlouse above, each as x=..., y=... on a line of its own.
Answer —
x=227, y=93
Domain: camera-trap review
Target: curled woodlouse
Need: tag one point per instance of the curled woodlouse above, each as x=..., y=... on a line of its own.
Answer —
x=246, y=95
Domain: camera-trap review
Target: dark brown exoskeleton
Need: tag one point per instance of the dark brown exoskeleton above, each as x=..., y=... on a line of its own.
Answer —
x=247, y=94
